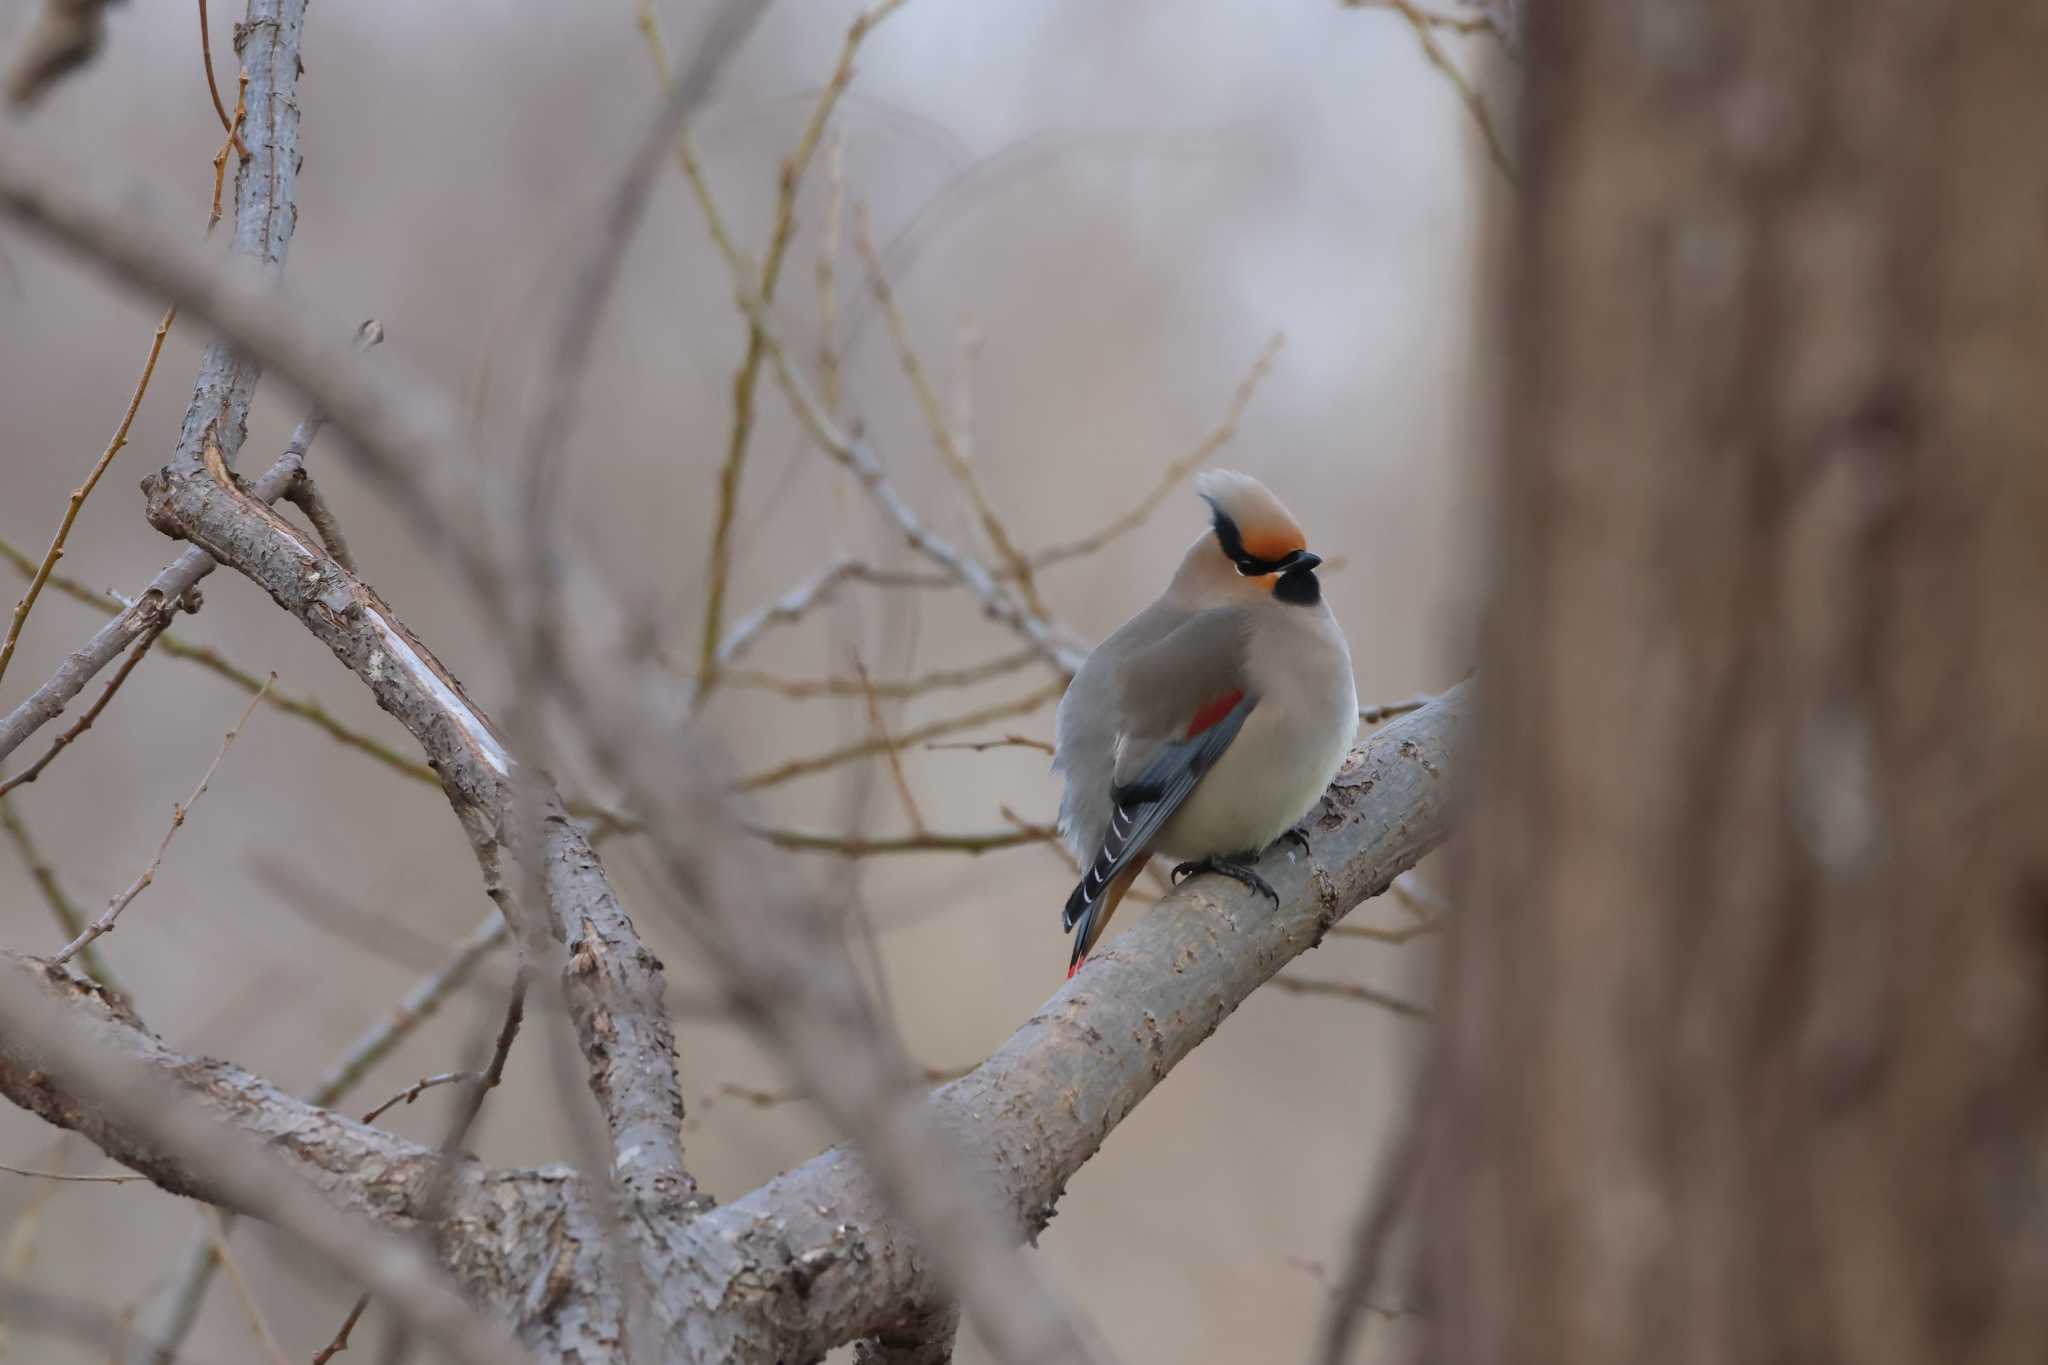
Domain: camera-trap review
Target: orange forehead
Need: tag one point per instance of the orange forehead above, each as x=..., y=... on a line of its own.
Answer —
x=1272, y=540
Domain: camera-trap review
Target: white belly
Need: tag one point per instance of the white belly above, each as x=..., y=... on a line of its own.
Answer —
x=1271, y=776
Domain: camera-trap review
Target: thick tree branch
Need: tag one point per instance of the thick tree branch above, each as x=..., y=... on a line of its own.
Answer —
x=360, y=1168
x=812, y=1259
x=157, y=603
x=614, y=984
x=266, y=182
x=214, y=1131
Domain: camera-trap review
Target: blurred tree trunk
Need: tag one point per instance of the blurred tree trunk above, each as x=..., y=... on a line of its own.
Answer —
x=1746, y=1054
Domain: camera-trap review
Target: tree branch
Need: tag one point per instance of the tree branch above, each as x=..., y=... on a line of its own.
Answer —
x=614, y=984
x=212, y=1131
x=812, y=1260
x=265, y=214
x=357, y=1167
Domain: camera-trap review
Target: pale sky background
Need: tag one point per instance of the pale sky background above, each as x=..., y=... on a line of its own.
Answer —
x=1124, y=201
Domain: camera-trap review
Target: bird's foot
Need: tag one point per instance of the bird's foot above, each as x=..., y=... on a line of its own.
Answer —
x=1296, y=835
x=1232, y=868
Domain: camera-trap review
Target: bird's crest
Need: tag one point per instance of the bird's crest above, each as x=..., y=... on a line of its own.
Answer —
x=1250, y=522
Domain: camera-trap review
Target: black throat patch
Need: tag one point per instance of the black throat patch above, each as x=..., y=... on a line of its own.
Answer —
x=1299, y=587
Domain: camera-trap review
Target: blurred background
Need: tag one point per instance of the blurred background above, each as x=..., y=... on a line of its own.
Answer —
x=1096, y=216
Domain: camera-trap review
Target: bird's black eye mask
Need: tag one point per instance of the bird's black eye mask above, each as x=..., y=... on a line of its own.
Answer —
x=1248, y=564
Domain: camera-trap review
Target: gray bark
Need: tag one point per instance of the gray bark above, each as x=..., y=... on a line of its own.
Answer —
x=813, y=1259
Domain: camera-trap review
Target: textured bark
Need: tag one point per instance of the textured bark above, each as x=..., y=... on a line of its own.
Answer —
x=266, y=184
x=266, y=212
x=813, y=1259
x=927, y=1341
x=165, y=596
x=614, y=986
x=359, y=1167
x=1749, y=988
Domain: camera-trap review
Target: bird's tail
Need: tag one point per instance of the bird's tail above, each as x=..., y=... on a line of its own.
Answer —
x=1089, y=915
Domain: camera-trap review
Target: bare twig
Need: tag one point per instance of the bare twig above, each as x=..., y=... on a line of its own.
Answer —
x=857, y=846
x=92, y=713
x=481, y=1084
x=123, y=1179
x=213, y=87
x=1425, y=25
x=220, y=158
x=308, y=709
x=340, y=1342
x=827, y=271
x=241, y=1285
x=982, y=746
x=1350, y=990
x=1176, y=471
x=69, y=917
x=801, y=767
x=956, y=461
x=786, y=609
x=84, y=490
x=105, y=922
x=441, y=1185
x=761, y=1097
x=419, y=1004
x=303, y=494
x=417, y=1089
x=892, y=750
x=1386, y=711
x=900, y=689
x=855, y=456
x=1378, y=935
x=1465, y=25
x=1062, y=653
x=791, y=178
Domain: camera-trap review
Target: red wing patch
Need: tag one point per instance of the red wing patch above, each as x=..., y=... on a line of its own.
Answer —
x=1211, y=712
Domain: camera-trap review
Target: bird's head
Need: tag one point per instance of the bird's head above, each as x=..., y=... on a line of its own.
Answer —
x=1254, y=535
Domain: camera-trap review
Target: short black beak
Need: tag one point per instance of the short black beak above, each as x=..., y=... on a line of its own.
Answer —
x=1300, y=561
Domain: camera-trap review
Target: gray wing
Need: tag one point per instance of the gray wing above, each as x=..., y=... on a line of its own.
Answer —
x=1176, y=686
x=1089, y=721
x=1181, y=701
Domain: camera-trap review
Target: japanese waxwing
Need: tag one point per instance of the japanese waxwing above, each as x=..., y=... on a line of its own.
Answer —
x=1213, y=720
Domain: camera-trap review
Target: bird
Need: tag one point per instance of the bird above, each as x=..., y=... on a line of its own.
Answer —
x=1209, y=724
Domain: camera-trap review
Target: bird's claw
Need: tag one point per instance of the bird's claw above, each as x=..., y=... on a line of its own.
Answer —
x=1296, y=835
x=1236, y=871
